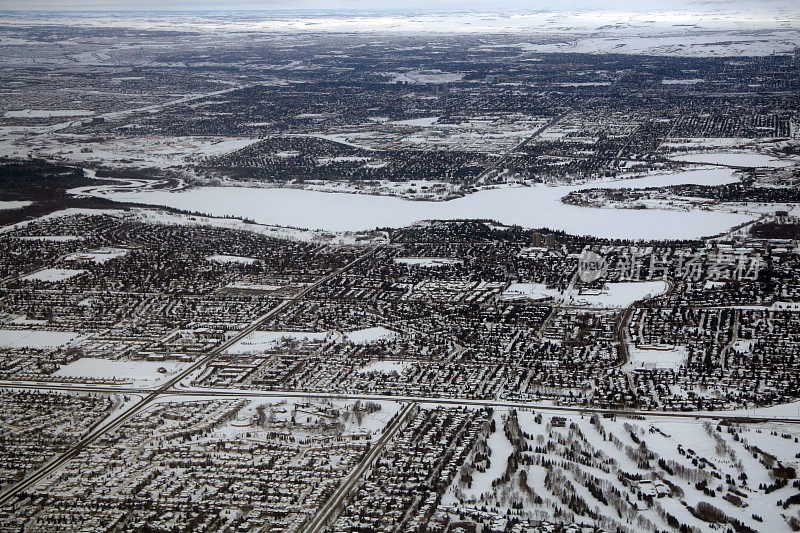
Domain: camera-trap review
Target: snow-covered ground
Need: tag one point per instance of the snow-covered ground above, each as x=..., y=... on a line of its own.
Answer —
x=221, y=258
x=677, y=29
x=53, y=274
x=683, y=81
x=47, y=113
x=534, y=291
x=88, y=367
x=426, y=76
x=260, y=341
x=51, y=238
x=619, y=294
x=367, y=335
x=427, y=121
x=100, y=255
x=664, y=358
x=13, y=204
x=691, y=449
x=384, y=367
x=72, y=211
x=612, y=295
x=122, y=150
x=430, y=262
x=276, y=232
x=253, y=286
x=739, y=158
x=36, y=339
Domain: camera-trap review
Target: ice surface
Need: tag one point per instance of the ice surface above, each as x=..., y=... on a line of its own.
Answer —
x=533, y=207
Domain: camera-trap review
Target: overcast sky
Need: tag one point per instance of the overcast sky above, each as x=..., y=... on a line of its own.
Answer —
x=765, y=6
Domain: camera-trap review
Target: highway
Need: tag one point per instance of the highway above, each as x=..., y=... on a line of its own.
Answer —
x=211, y=392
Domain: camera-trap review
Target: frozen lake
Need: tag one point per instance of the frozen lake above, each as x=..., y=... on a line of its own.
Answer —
x=533, y=207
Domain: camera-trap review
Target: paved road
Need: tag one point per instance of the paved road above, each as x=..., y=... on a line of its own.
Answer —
x=508, y=404
x=120, y=418
x=332, y=507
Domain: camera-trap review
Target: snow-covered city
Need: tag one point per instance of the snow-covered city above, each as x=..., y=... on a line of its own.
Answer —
x=346, y=268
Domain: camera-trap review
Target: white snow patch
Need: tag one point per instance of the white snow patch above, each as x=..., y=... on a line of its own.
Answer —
x=13, y=204
x=51, y=238
x=260, y=341
x=689, y=81
x=100, y=255
x=53, y=274
x=426, y=121
x=533, y=291
x=620, y=294
x=739, y=159
x=221, y=258
x=430, y=262
x=46, y=113
x=253, y=286
x=384, y=367
x=656, y=357
x=367, y=335
x=88, y=367
x=36, y=339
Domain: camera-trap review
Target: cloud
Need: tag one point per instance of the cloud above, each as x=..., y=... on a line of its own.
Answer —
x=406, y=5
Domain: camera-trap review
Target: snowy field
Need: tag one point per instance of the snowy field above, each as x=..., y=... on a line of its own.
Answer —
x=53, y=274
x=100, y=255
x=253, y=286
x=368, y=335
x=609, y=463
x=677, y=29
x=671, y=358
x=308, y=418
x=685, y=81
x=50, y=238
x=87, y=367
x=260, y=341
x=221, y=258
x=277, y=232
x=612, y=295
x=47, y=113
x=533, y=291
x=428, y=262
x=13, y=204
x=384, y=367
x=533, y=207
x=617, y=295
x=35, y=339
x=125, y=151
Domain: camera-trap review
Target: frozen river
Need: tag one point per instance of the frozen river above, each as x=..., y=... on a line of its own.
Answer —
x=533, y=207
